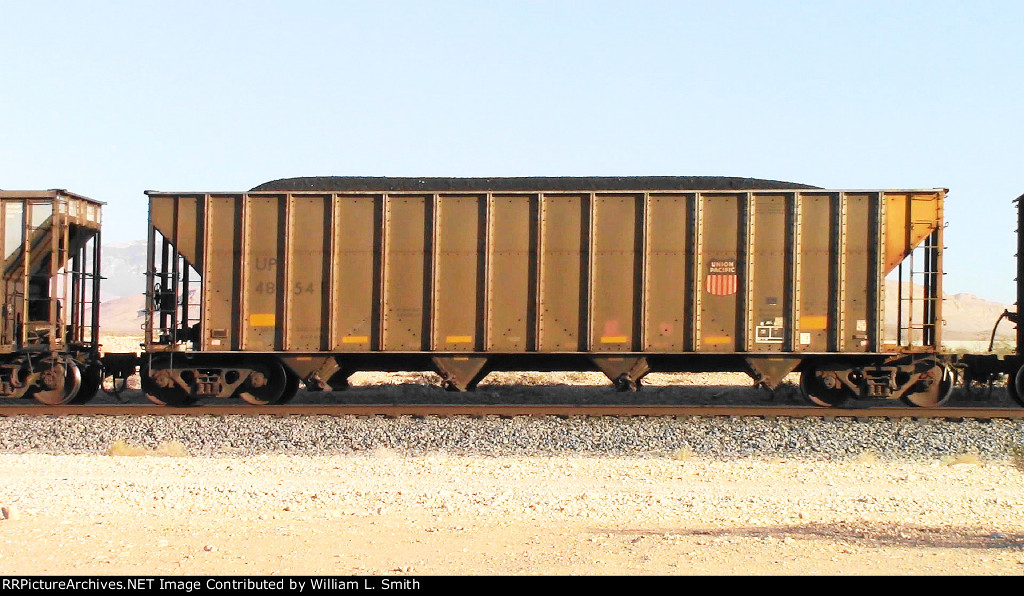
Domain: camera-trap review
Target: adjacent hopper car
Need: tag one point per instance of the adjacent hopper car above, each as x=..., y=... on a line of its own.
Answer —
x=309, y=280
x=49, y=320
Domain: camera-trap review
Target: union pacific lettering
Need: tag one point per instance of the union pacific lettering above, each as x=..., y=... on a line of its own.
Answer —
x=721, y=279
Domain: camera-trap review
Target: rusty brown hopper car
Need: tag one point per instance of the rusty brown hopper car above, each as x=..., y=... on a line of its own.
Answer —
x=314, y=279
x=49, y=327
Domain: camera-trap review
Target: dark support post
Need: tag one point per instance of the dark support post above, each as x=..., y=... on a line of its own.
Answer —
x=931, y=288
x=150, y=280
x=164, y=266
x=95, y=331
x=1020, y=270
x=184, y=295
x=76, y=299
x=83, y=271
x=899, y=305
x=174, y=278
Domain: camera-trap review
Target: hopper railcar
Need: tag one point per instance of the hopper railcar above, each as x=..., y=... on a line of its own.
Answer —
x=49, y=316
x=312, y=279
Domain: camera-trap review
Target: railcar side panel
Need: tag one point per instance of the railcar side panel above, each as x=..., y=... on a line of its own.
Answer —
x=857, y=308
x=261, y=273
x=816, y=273
x=458, y=257
x=617, y=246
x=720, y=322
x=408, y=240
x=512, y=257
x=767, y=298
x=667, y=274
x=562, y=305
x=307, y=236
x=356, y=264
x=222, y=255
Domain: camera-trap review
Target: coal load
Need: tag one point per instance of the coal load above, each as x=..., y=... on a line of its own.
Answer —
x=532, y=183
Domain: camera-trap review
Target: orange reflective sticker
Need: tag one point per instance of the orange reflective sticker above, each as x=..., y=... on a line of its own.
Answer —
x=262, y=320
x=814, y=322
x=717, y=340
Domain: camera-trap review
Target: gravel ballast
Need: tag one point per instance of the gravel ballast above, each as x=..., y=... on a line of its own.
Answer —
x=721, y=437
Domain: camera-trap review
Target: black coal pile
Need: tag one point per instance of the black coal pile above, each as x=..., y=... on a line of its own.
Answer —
x=532, y=183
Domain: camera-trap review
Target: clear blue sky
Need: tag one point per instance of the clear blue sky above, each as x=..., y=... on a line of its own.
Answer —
x=109, y=99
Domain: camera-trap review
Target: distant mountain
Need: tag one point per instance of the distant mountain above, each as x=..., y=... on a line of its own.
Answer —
x=123, y=315
x=968, y=317
x=123, y=266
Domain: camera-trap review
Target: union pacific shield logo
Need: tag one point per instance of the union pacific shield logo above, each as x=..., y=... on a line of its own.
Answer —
x=721, y=279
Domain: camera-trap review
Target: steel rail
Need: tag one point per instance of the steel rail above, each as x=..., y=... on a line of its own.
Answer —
x=441, y=410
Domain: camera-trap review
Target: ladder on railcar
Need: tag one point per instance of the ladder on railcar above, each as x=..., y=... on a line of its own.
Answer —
x=927, y=303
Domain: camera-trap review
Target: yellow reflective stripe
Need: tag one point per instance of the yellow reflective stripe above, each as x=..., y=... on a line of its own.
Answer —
x=813, y=322
x=717, y=340
x=262, y=320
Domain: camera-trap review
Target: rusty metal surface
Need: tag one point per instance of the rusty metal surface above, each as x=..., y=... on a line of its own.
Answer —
x=508, y=410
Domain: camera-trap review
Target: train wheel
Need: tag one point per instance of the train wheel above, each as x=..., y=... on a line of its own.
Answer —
x=169, y=395
x=290, y=389
x=92, y=380
x=1014, y=385
x=269, y=383
x=823, y=388
x=59, y=383
x=938, y=390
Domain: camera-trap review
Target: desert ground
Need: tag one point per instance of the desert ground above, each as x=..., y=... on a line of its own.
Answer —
x=137, y=510
x=163, y=512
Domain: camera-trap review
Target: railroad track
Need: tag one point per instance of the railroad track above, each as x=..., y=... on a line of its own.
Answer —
x=445, y=410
